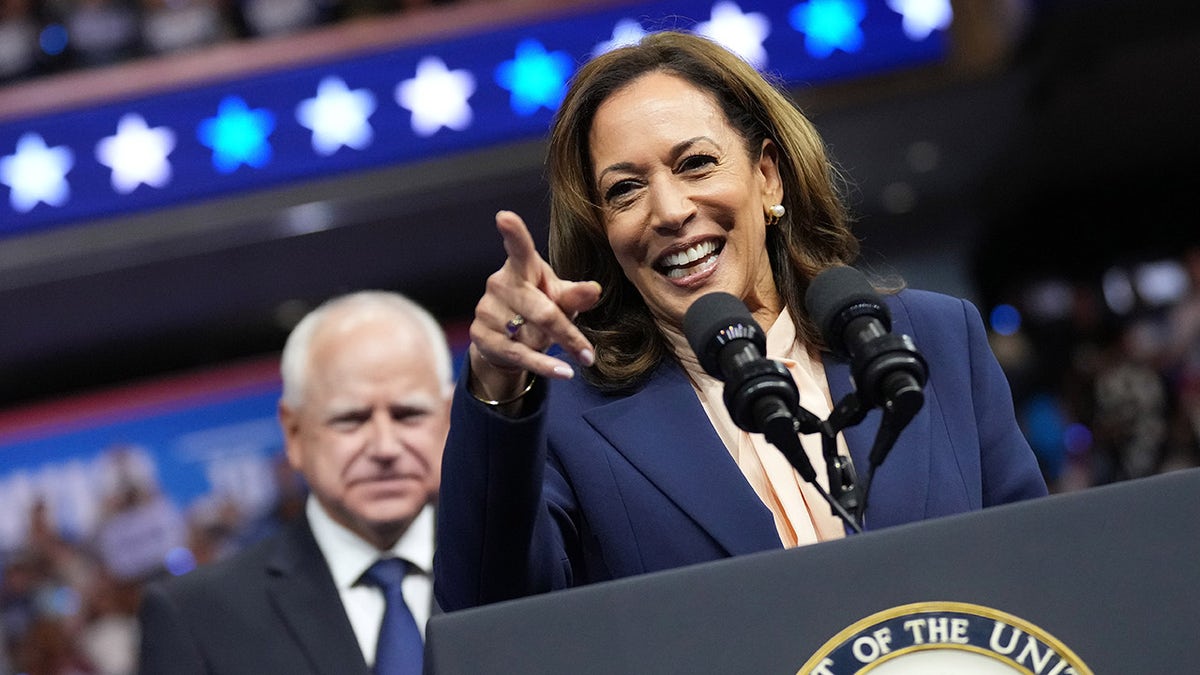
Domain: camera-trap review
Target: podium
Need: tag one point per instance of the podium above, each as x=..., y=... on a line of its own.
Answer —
x=1111, y=575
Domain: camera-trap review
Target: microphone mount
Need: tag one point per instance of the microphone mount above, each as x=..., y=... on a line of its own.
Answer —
x=761, y=395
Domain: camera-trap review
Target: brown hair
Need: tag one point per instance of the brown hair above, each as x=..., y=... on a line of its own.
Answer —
x=813, y=236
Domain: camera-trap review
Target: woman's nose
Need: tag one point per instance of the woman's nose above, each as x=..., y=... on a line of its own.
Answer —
x=670, y=205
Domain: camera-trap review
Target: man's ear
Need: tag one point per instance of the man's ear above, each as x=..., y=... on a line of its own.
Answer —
x=289, y=422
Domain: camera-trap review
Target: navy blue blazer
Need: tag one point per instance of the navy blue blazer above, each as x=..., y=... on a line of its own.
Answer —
x=591, y=486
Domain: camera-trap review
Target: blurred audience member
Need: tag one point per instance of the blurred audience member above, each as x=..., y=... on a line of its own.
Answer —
x=18, y=39
x=278, y=17
x=44, y=601
x=1182, y=360
x=179, y=25
x=108, y=636
x=213, y=525
x=140, y=526
x=290, y=496
x=1130, y=408
x=101, y=32
x=48, y=649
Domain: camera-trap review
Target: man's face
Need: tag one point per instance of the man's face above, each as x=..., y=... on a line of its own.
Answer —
x=368, y=436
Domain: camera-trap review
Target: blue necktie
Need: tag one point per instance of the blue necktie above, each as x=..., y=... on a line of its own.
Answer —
x=400, y=650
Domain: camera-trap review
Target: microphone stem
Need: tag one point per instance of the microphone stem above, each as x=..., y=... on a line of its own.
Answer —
x=789, y=444
x=838, y=509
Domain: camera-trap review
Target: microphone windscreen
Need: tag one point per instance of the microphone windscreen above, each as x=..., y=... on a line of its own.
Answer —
x=712, y=321
x=838, y=295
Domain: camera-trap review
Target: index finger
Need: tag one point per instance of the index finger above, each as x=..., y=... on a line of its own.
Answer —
x=519, y=246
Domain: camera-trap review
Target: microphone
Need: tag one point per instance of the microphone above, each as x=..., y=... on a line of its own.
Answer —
x=887, y=369
x=760, y=394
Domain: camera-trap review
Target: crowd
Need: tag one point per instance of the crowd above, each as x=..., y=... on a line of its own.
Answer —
x=1107, y=395
x=68, y=603
x=39, y=37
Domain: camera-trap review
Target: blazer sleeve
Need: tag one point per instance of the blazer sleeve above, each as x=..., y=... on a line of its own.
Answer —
x=974, y=403
x=1010, y=469
x=166, y=645
x=504, y=513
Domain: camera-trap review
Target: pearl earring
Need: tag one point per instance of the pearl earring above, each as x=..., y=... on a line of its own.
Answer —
x=774, y=213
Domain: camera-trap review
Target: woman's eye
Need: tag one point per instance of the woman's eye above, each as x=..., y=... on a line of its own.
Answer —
x=696, y=162
x=619, y=189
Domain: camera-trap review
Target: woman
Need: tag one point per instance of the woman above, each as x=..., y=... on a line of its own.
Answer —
x=677, y=170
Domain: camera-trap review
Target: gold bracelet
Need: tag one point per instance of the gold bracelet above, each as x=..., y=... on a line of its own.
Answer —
x=493, y=403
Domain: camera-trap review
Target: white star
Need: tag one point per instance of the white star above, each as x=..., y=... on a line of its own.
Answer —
x=743, y=34
x=37, y=173
x=922, y=17
x=437, y=97
x=337, y=116
x=626, y=32
x=137, y=154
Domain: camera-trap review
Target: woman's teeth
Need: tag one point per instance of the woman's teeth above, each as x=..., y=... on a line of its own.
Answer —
x=689, y=261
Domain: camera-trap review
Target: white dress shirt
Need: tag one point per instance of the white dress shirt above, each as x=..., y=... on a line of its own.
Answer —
x=349, y=556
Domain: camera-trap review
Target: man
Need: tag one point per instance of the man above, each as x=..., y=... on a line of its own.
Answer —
x=365, y=411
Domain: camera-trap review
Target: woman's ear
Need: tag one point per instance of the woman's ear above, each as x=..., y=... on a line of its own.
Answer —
x=768, y=168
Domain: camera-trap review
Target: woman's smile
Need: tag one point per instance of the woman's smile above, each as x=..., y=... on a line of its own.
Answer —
x=693, y=260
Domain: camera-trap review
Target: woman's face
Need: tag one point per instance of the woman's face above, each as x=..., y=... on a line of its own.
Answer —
x=682, y=201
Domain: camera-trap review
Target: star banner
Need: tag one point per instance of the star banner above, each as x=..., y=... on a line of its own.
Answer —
x=413, y=102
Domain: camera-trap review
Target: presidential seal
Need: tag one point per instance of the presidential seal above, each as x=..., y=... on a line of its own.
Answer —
x=943, y=638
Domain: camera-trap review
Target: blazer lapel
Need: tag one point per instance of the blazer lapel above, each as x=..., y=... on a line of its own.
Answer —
x=308, y=603
x=664, y=432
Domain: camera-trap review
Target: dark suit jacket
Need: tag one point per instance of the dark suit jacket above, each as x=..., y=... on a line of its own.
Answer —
x=595, y=486
x=272, y=609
